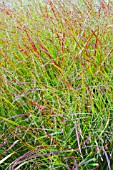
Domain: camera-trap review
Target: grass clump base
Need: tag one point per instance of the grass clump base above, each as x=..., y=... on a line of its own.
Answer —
x=56, y=81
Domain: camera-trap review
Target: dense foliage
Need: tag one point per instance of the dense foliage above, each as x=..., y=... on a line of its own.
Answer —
x=56, y=85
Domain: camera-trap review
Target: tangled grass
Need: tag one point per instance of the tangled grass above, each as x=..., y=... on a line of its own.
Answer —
x=56, y=81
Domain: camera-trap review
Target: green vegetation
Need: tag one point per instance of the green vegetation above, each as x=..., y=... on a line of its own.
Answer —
x=56, y=86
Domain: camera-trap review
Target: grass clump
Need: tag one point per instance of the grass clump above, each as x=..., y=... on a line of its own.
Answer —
x=56, y=79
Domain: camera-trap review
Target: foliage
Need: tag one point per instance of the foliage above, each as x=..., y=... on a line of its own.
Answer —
x=56, y=81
